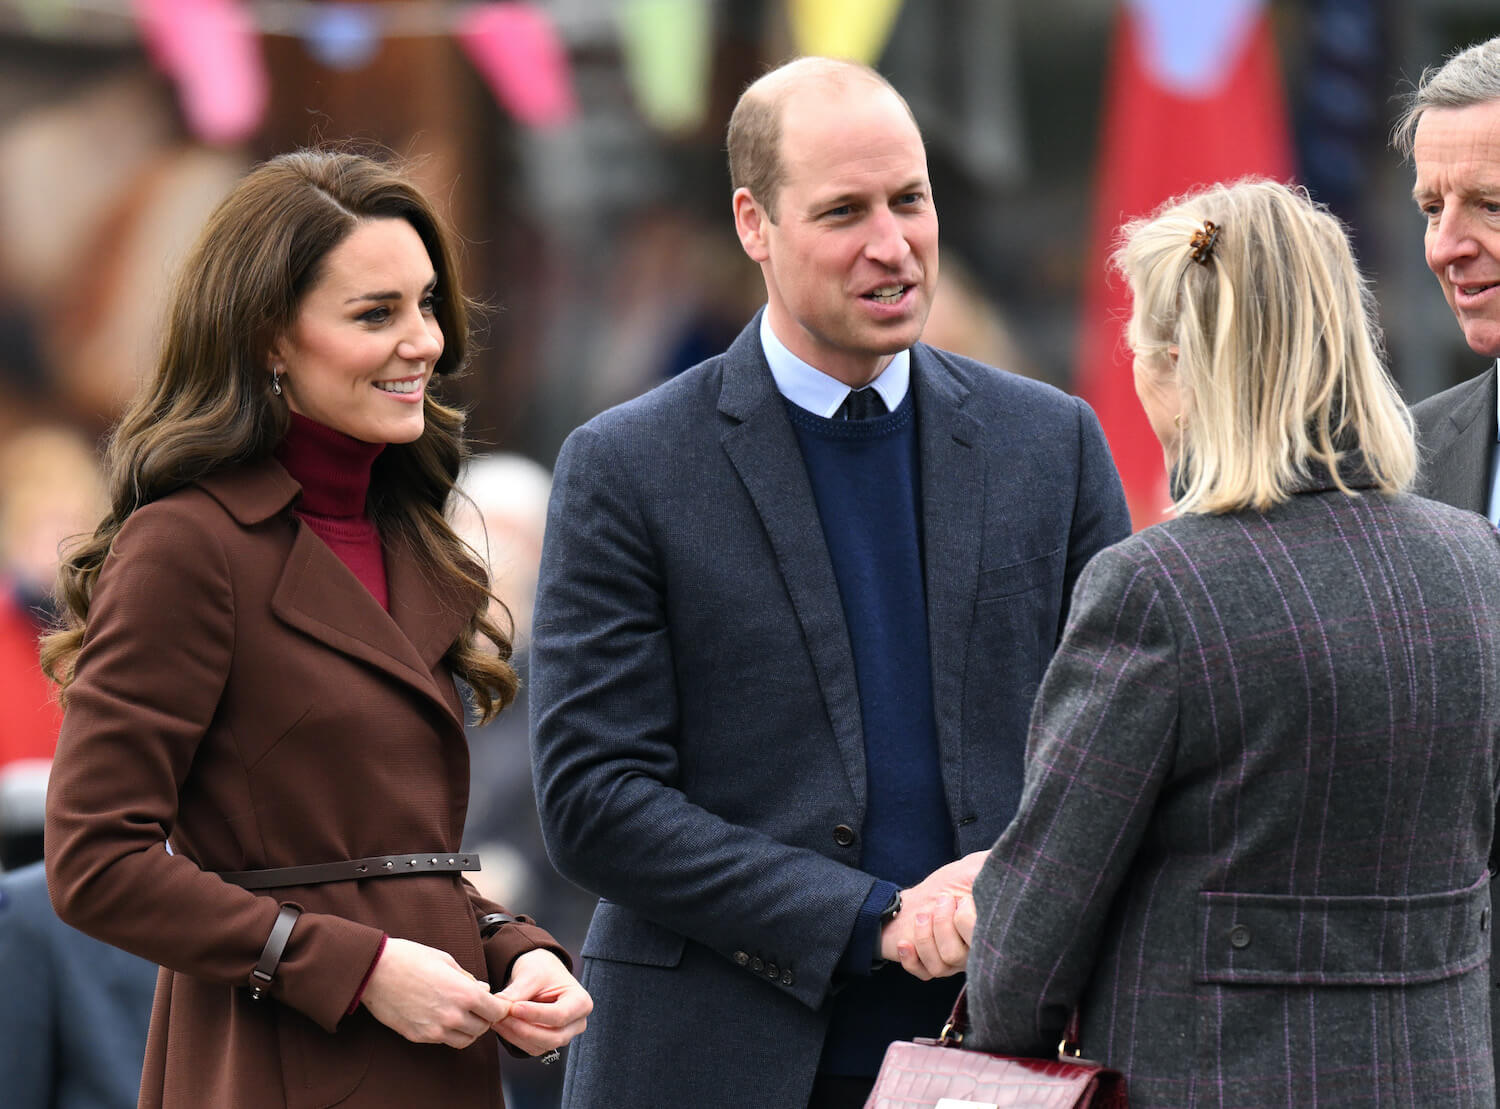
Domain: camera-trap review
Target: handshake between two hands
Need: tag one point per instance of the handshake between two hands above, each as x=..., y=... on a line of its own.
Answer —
x=930, y=936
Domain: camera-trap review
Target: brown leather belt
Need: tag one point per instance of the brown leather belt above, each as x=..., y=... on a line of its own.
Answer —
x=376, y=866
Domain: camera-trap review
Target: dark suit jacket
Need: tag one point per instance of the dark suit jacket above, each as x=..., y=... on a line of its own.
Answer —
x=697, y=737
x=73, y=1011
x=1260, y=796
x=241, y=692
x=1456, y=430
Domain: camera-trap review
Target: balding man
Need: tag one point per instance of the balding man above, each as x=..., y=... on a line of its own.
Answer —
x=793, y=610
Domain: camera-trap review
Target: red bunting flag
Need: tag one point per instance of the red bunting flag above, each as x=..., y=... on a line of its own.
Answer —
x=518, y=52
x=1193, y=96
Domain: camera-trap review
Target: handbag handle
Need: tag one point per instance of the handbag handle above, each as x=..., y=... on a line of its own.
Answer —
x=954, y=1031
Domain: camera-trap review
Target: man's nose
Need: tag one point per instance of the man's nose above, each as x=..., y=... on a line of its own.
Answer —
x=1450, y=239
x=887, y=242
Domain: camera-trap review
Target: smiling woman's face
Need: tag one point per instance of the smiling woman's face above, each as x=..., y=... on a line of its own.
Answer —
x=358, y=356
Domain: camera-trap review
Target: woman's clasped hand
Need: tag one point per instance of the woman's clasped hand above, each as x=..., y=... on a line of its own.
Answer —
x=423, y=994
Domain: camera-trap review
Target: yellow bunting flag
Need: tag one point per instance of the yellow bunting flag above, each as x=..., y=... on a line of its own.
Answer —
x=853, y=29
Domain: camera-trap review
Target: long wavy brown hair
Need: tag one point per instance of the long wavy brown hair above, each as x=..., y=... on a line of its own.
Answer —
x=209, y=404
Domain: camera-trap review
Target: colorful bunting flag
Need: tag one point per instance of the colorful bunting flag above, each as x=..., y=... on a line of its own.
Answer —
x=667, y=46
x=345, y=37
x=853, y=29
x=518, y=52
x=210, y=50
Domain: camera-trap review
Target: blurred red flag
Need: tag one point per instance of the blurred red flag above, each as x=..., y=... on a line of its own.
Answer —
x=1193, y=95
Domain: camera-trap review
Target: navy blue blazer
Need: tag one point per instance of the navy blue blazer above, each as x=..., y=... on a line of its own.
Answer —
x=1456, y=431
x=697, y=740
x=73, y=1011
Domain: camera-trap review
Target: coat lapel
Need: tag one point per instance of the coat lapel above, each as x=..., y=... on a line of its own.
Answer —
x=1458, y=451
x=953, y=482
x=763, y=449
x=320, y=596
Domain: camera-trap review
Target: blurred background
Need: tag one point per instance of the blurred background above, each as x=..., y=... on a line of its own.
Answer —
x=578, y=147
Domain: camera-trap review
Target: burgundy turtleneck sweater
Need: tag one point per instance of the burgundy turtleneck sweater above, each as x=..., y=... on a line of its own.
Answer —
x=334, y=472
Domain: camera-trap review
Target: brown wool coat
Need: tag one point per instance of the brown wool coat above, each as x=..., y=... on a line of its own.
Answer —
x=242, y=695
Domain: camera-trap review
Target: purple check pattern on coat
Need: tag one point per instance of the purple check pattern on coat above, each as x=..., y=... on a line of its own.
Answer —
x=1260, y=797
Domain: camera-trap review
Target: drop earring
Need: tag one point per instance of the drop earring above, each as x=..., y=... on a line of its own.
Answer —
x=276, y=380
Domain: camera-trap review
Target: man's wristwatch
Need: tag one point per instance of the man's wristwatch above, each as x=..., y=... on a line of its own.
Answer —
x=890, y=911
x=887, y=915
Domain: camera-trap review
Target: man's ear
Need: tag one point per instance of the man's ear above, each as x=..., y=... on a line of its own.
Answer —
x=750, y=222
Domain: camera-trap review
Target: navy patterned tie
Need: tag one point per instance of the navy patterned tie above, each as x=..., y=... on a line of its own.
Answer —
x=861, y=404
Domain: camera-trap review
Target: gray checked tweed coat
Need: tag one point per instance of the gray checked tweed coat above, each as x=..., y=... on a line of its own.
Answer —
x=1259, y=800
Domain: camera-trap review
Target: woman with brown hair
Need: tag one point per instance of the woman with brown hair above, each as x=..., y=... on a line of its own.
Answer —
x=261, y=778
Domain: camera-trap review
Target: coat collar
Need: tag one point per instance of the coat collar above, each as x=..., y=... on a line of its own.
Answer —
x=320, y=596
x=254, y=492
x=1352, y=470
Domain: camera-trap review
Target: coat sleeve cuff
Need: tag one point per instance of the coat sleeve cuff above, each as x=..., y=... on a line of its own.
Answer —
x=326, y=966
x=359, y=994
x=512, y=941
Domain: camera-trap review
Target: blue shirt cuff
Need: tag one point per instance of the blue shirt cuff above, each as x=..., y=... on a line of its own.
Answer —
x=864, y=944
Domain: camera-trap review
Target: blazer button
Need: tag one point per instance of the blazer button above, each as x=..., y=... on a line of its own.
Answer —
x=843, y=835
x=786, y=978
x=773, y=972
x=757, y=966
x=1239, y=936
x=741, y=959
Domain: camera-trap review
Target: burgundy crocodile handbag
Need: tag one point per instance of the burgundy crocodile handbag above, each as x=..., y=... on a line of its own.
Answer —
x=940, y=1074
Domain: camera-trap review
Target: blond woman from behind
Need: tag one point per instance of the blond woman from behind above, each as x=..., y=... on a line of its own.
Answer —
x=1260, y=785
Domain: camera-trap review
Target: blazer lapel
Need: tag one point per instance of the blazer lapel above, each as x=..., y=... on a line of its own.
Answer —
x=763, y=449
x=953, y=482
x=1459, y=450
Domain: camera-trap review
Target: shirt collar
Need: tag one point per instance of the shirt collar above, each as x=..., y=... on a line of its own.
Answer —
x=810, y=388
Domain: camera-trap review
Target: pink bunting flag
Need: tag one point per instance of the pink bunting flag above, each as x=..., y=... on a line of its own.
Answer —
x=519, y=54
x=210, y=50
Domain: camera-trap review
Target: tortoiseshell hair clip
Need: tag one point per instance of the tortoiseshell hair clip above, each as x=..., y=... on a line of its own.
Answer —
x=1203, y=242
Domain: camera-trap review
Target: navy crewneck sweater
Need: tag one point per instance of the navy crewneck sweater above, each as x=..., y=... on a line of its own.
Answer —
x=866, y=483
